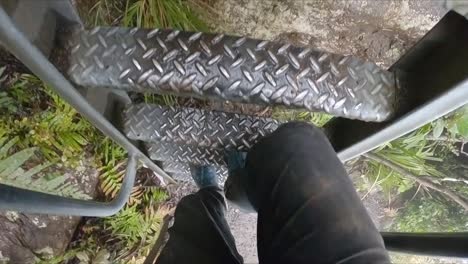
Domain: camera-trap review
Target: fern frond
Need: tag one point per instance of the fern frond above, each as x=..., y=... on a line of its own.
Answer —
x=5, y=148
x=36, y=169
x=12, y=173
x=136, y=196
x=2, y=70
x=60, y=187
x=111, y=178
x=154, y=195
x=12, y=163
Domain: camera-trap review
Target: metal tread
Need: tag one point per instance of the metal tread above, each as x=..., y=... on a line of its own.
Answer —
x=229, y=68
x=185, y=154
x=180, y=176
x=174, y=167
x=197, y=127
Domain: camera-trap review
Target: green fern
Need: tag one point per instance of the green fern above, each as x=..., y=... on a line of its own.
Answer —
x=7, y=103
x=12, y=173
x=133, y=226
x=112, y=156
x=154, y=195
x=412, y=152
x=13, y=97
x=111, y=178
x=58, y=130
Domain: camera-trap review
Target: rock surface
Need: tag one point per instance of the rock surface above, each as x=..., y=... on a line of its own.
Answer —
x=27, y=238
x=374, y=30
x=379, y=31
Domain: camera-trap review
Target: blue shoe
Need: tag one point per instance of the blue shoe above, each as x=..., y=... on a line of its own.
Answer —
x=234, y=188
x=204, y=176
x=235, y=160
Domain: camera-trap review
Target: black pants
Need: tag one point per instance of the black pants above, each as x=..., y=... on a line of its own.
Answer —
x=308, y=209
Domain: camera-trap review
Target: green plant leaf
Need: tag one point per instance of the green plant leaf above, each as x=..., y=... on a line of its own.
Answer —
x=438, y=128
x=83, y=256
x=462, y=125
x=12, y=163
x=4, y=149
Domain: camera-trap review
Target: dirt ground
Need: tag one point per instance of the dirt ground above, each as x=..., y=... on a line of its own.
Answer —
x=368, y=29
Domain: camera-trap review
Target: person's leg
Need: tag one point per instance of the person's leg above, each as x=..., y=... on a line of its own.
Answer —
x=200, y=233
x=309, y=211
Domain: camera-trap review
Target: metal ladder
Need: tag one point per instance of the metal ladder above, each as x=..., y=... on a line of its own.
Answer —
x=95, y=70
x=219, y=67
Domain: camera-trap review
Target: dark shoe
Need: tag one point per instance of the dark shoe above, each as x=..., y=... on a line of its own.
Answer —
x=235, y=160
x=204, y=176
x=234, y=189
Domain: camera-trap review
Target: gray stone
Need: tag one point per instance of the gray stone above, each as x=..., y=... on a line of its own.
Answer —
x=25, y=238
x=374, y=30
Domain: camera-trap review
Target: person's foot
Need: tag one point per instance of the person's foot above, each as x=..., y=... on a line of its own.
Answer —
x=235, y=160
x=204, y=176
x=234, y=187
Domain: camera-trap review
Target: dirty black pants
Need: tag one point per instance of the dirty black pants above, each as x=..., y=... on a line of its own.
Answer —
x=308, y=209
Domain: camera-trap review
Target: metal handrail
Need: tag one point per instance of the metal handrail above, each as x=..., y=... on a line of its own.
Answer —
x=449, y=101
x=435, y=244
x=12, y=198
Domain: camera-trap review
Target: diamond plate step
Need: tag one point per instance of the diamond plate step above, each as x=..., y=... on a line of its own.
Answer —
x=223, y=67
x=174, y=167
x=180, y=176
x=181, y=171
x=187, y=177
x=188, y=126
x=185, y=154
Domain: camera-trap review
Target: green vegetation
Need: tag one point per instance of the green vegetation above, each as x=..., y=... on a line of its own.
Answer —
x=175, y=14
x=40, y=132
x=38, y=117
x=42, y=136
x=431, y=215
x=316, y=118
x=127, y=237
x=413, y=152
x=123, y=238
x=455, y=125
x=422, y=162
x=13, y=174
